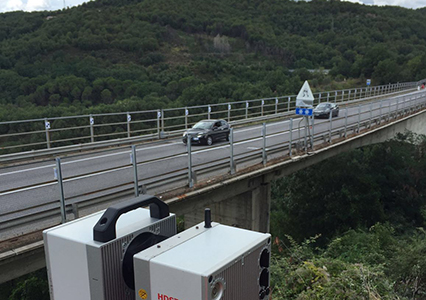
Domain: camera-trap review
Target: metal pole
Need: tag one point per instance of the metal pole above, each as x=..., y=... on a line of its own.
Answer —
x=162, y=121
x=343, y=95
x=288, y=104
x=61, y=189
x=335, y=96
x=359, y=116
x=371, y=114
x=349, y=96
x=135, y=170
x=92, y=134
x=328, y=97
x=158, y=123
x=188, y=145
x=264, y=158
x=306, y=133
x=261, y=107
x=319, y=98
x=229, y=112
x=276, y=105
x=247, y=106
x=47, y=127
x=397, y=106
x=329, y=132
x=186, y=118
x=291, y=137
x=231, y=146
x=209, y=110
x=346, y=121
x=129, y=118
x=355, y=94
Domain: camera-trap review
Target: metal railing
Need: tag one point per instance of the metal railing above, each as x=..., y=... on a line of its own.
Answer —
x=57, y=132
x=259, y=150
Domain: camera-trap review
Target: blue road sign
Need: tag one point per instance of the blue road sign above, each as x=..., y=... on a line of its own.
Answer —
x=304, y=111
x=368, y=81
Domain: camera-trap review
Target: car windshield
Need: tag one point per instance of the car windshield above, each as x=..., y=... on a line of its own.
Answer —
x=203, y=125
x=323, y=105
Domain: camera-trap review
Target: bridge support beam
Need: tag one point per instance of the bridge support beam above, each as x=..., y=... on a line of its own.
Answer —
x=241, y=203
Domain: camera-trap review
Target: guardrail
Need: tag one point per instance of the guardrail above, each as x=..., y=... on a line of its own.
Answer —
x=188, y=172
x=98, y=130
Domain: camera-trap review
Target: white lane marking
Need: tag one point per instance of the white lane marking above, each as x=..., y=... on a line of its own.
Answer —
x=84, y=159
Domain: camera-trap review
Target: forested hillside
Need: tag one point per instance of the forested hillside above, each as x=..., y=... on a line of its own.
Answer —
x=110, y=55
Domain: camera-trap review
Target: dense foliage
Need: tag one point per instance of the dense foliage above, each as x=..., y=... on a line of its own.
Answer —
x=352, y=227
x=134, y=55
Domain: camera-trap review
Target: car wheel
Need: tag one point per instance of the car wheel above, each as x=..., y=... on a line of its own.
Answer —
x=209, y=141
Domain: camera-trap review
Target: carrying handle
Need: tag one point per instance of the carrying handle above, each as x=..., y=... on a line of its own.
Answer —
x=104, y=230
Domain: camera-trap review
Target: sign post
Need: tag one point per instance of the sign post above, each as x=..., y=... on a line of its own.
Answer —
x=304, y=107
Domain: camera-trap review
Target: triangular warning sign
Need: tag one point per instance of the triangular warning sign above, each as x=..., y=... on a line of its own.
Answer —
x=305, y=98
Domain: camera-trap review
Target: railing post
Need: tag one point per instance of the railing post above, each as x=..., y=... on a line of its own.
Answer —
x=288, y=104
x=162, y=122
x=371, y=114
x=349, y=96
x=134, y=162
x=359, y=117
x=188, y=145
x=355, y=94
x=46, y=128
x=231, y=146
x=397, y=107
x=92, y=134
x=343, y=95
x=346, y=121
x=290, y=142
x=186, y=118
x=264, y=158
x=276, y=105
x=262, y=103
x=209, y=110
x=58, y=175
x=335, y=96
x=229, y=112
x=330, y=126
x=247, y=107
x=158, y=123
x=319, y=98
x=328, y=97
x=129, y=119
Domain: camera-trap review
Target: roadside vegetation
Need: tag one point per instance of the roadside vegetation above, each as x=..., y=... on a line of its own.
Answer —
x=353, y=227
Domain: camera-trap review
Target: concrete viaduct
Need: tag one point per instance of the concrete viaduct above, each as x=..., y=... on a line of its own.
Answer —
x=242, y=200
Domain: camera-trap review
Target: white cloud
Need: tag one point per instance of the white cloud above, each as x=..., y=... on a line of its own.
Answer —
x=355, y=1
x=33, y=5
x=404, y=3
x=11, y=5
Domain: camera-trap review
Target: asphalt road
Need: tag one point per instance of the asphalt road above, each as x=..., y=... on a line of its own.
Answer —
x=30, y=188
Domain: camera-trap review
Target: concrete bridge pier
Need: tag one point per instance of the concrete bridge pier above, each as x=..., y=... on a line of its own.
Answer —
x=240, y=203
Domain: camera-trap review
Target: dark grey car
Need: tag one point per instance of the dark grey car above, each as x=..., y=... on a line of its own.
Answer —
x=323, y=110
x=207, y=131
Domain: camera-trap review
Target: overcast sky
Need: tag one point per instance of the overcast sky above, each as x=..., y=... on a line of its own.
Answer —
x=32, y=5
